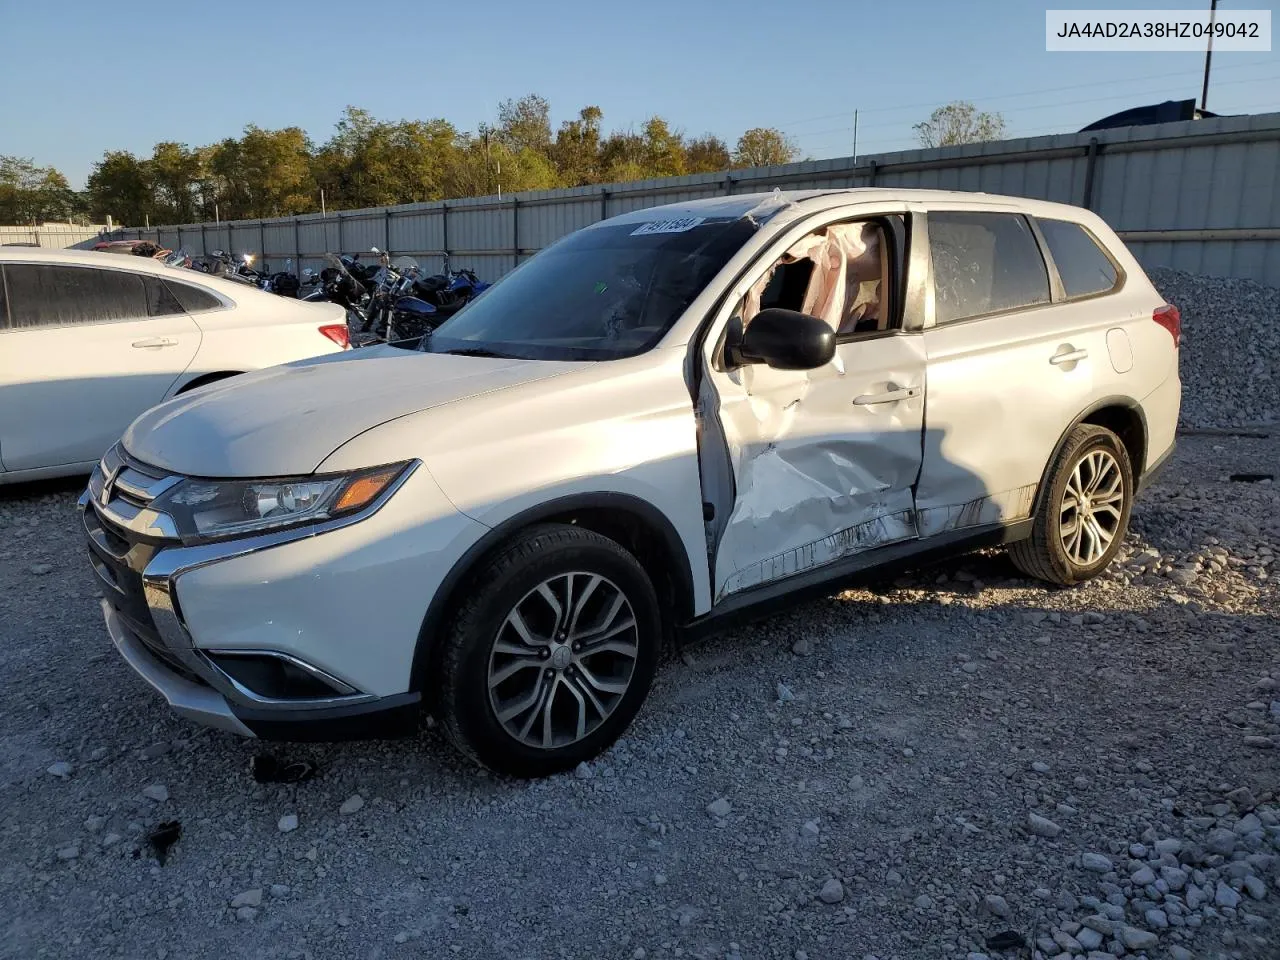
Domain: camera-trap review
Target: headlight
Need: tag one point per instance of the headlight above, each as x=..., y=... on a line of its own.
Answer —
x=218, y=509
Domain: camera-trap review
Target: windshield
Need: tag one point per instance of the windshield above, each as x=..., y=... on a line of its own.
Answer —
x=599, y=294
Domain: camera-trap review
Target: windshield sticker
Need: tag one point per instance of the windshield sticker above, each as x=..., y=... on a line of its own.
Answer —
x=601, y=286
x=679, y=225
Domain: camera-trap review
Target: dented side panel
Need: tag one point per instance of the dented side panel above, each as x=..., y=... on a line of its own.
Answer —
x=819, y=477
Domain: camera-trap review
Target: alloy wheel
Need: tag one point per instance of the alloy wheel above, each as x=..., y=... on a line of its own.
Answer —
x=562, y=660
x=1092, y=507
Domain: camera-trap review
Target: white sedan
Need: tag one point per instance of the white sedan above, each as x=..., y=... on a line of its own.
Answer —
x=88, y=342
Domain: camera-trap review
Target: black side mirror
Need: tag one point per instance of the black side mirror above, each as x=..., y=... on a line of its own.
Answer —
x=782, y=339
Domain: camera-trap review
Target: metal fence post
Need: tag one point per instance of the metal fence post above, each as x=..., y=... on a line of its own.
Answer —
x=341, y=249
x=515, y=231
x=1090, y=165
x=444, y=233
x=728, y=183
x=386, y=231
x=204, y=245
x=871, y=177
x=297, y=246
x=604, y=204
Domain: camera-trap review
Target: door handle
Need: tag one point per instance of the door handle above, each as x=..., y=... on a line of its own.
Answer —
x=1071, y=356
x=903, y=393
x=155, y=343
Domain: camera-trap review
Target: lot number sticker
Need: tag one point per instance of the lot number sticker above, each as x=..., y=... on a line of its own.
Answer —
x=679, y=225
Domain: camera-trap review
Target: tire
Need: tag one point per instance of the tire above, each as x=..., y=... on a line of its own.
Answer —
x=507, y=646
x=1055, y=552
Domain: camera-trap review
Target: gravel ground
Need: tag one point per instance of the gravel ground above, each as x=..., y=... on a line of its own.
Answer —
x=1230, y=348
x=904, y=771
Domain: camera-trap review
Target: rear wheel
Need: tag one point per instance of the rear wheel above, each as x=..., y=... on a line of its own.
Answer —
x=1084, y=514
x=549, y=658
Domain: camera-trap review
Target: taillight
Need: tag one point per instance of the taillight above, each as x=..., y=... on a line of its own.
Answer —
x=1169, y=317
x=338, y=333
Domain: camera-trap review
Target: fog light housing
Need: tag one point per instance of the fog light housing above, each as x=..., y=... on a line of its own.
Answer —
x=267, y=676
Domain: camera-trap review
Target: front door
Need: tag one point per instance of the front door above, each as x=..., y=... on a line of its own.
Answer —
x=820, y=463
x=81, y=358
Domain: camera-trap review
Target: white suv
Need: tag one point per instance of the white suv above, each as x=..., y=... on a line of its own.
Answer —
x=663, y=420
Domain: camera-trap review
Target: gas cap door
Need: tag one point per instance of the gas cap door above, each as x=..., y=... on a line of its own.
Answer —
x=1120, y=350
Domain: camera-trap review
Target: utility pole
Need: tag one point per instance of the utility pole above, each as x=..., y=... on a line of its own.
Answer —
x=855, y=138
x=322, y=210
x=1208, y=55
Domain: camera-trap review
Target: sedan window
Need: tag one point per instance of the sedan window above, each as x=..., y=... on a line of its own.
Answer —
x=41, y=295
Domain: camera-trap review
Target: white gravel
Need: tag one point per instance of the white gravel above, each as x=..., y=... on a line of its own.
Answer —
x=870, y=798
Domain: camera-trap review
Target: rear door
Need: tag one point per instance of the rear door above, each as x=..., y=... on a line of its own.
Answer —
x=815, y=465
x=84, y=352
x=1010, y=366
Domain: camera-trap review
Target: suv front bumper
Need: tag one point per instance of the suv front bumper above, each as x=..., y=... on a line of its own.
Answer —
x=270, y=599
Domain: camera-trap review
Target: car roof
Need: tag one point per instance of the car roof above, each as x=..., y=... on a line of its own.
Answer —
x=114, y=261
x=798, y=202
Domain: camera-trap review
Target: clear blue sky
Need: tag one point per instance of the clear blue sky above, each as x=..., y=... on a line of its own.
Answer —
x=80, y=77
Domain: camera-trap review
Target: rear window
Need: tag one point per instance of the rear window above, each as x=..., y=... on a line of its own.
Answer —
x=1083, y=266
x=160, y=301
x=56, y=296
x=192, y=298
x=984, y=263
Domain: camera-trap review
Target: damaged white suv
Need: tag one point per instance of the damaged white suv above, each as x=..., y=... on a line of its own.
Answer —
x=660, y=421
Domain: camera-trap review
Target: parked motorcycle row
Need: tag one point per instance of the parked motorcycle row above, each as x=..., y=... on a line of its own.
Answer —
x=390, y=301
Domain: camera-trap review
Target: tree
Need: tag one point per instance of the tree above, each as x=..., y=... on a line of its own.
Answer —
x=706, y=154
x=576, y=152
x=764, y=147
x=176, y=171
x=119, y=187
x=525, y=123
x=663, y=149
x=31, y=194
x=959, y=122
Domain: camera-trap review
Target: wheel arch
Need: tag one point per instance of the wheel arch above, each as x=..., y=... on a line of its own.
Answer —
x=639, y=526
x=1124, y=417
x=205, y=379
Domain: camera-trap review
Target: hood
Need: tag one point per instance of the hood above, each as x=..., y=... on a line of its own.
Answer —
x=286, y=420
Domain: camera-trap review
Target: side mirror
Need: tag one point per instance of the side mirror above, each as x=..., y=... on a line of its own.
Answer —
x=782, y=339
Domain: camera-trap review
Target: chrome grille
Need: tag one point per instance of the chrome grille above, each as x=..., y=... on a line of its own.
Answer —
x=122, y=490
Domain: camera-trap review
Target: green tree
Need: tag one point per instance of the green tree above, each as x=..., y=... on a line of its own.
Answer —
x=176, y=171
x=484, y=165
x=31, y=194
x=663, y=150
x=276, y=167
x=959, y=122
x=622, y=157
x=764, y=147
x=707, y=154
x=576, y=152
x=525, y=123
x=119, y=187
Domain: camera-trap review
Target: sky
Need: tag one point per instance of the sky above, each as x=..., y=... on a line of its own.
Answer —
x=78, y=77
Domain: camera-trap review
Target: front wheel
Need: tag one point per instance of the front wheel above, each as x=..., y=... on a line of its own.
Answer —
x=551, y=654
x=1084, y=514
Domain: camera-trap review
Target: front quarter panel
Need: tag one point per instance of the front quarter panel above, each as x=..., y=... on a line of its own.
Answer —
x=623, y=426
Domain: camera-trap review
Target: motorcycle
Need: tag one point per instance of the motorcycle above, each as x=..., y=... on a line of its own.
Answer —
x=283, y=283
x=450, y=291
x=395, y=315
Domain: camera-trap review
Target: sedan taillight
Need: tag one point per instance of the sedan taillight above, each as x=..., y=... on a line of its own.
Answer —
x=338, y=333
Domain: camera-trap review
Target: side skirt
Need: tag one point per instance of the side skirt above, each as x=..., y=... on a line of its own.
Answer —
x=874, y=564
